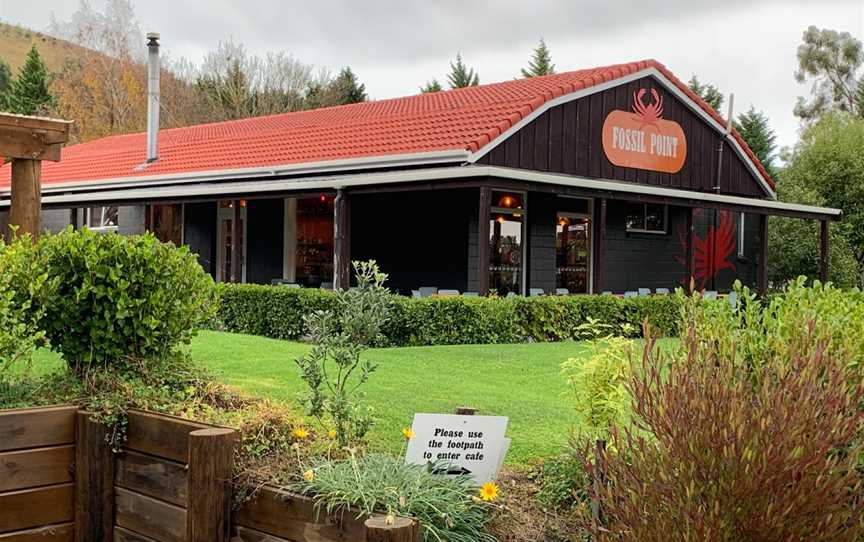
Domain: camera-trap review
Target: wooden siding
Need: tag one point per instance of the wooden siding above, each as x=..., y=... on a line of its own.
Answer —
x=567, y=139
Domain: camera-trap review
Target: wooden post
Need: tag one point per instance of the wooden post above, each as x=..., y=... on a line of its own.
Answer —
x=26, y=200
x=824, y=240
x=27, y=141
x=94, y=481
x=483, y=239
x=599, y=482
x=211, y=460
x=392, y=529
x=465, y=411
x=236, y=231
x=688, y=264
x=599, y=245
x=341, y=241
x=762, y=269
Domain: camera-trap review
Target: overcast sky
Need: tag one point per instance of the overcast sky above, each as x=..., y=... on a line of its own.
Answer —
x=742, y=46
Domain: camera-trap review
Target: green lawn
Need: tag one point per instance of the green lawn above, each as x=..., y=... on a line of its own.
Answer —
x=520, y=381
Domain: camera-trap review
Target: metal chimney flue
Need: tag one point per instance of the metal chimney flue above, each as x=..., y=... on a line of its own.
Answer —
x=152, y=96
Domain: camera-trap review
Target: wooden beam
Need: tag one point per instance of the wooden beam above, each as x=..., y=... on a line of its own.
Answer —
x=483, y=239
x=26, y=201
x=32, y=138
x=599, y=244
x=824, y=240
x=392, y=529
x=688, y=255
x=762, y=269
x=341, y=241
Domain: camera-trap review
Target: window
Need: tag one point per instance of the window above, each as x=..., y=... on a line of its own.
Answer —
x=505, y=242
x=573, y=253
x=102, y=218
x=741, y=222
x=314, y=241
x=166, y=223
x=646, y=218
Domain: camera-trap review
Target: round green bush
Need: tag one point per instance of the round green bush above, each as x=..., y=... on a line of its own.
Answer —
x=120, y=297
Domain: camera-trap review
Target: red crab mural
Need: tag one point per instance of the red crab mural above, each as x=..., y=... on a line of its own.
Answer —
x=712, y=253
x=647, y=115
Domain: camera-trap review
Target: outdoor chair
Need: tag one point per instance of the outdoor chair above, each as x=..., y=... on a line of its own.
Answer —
x=606, y=292
x=427, y=291
x=510, y=294
x=533, y=292
x=631, y=293
x=710, y=294
x=562, y=291
x=448, y=293
x=415, y=293
x=662, y=291
x=470, y=294
x=644, y=292
x=326, y=285
x=732, y=298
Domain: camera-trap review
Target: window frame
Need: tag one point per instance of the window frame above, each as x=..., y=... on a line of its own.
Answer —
x=101, y=228
x=742, y=217
x=644, y=228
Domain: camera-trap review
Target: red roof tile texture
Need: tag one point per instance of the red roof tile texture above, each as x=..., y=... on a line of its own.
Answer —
x=463, y=119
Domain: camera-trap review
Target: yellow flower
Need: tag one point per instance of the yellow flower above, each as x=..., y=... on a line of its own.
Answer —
x=331, y=434
x=309, y=475
x=489, y=491
x=300, y=433
x=408, y=433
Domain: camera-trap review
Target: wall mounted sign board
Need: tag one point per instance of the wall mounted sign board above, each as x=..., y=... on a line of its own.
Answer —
x=642, y=138
x=472, y=445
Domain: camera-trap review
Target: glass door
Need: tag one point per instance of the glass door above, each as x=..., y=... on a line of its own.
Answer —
x=573, y=253
x=225, y=245
x=506, y=232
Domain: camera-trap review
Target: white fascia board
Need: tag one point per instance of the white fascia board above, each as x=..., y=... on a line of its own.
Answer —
x=306, y=168
x=216, y=190
x=647, y=72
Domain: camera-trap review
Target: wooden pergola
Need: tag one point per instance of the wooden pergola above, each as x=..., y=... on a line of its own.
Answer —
x=26, y=141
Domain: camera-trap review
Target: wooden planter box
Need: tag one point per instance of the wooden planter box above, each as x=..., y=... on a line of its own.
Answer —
x=171, y=482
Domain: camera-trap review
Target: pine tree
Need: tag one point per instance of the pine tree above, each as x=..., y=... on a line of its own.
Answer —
x=462, y=76
x=431, y=86
x=5, y=85
x=540, y=63
x=29, y=93
x=753, y=127
x=346, y=89
x=709, y=93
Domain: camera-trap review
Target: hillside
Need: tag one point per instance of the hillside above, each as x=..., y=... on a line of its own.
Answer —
x=15, y=41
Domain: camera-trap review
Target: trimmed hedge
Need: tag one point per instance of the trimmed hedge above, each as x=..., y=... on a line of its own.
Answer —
x=277, y=312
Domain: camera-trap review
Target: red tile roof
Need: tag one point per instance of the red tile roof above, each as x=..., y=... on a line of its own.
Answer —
x=463, y=119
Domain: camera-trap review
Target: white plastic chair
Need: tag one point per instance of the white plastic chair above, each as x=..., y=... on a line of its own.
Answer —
x=470, y=294
x=662, y=291
x=448, y=293
x=426, y=291
x=562, y=291
x=416, y=293
x=533, y=292
x=326, y=285
x=732, y=298
x=606, y=292
x=710, y=294
x=630, y=294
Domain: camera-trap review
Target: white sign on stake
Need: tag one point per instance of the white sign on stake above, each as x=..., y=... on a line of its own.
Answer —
x=472, y=445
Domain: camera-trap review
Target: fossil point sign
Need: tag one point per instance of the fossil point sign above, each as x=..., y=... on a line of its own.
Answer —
x=642, y=139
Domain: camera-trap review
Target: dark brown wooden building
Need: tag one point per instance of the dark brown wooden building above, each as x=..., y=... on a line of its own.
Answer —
x=608, y=179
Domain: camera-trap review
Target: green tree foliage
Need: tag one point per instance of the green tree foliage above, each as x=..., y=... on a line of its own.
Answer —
x=540, y=63
x=709, y=93
x=754, y=128
x=29, y=93
x=832, y=60
x=431, y=86
x=827, y=168
x=5, y=84
x=462, y=76
x=343, y=89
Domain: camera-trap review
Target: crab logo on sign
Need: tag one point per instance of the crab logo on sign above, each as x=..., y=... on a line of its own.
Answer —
x=642, y=138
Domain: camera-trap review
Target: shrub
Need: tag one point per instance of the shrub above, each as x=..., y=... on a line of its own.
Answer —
x=277, y=312
x=447, y=507
x=119, y=296
x=723, y=450
x=334, y=369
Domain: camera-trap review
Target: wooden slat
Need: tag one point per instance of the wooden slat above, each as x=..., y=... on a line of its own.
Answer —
x=38, y=507
x=152, y=476
x=36, y=467
x=285, y=515
x=150, y=517
x=160, y=435
x=94, y=477
x=125, y=535
x=36, y=427
x=245, y=534
x=64, y=532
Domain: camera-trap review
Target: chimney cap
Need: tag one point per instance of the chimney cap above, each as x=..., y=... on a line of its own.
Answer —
x=153, y=36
